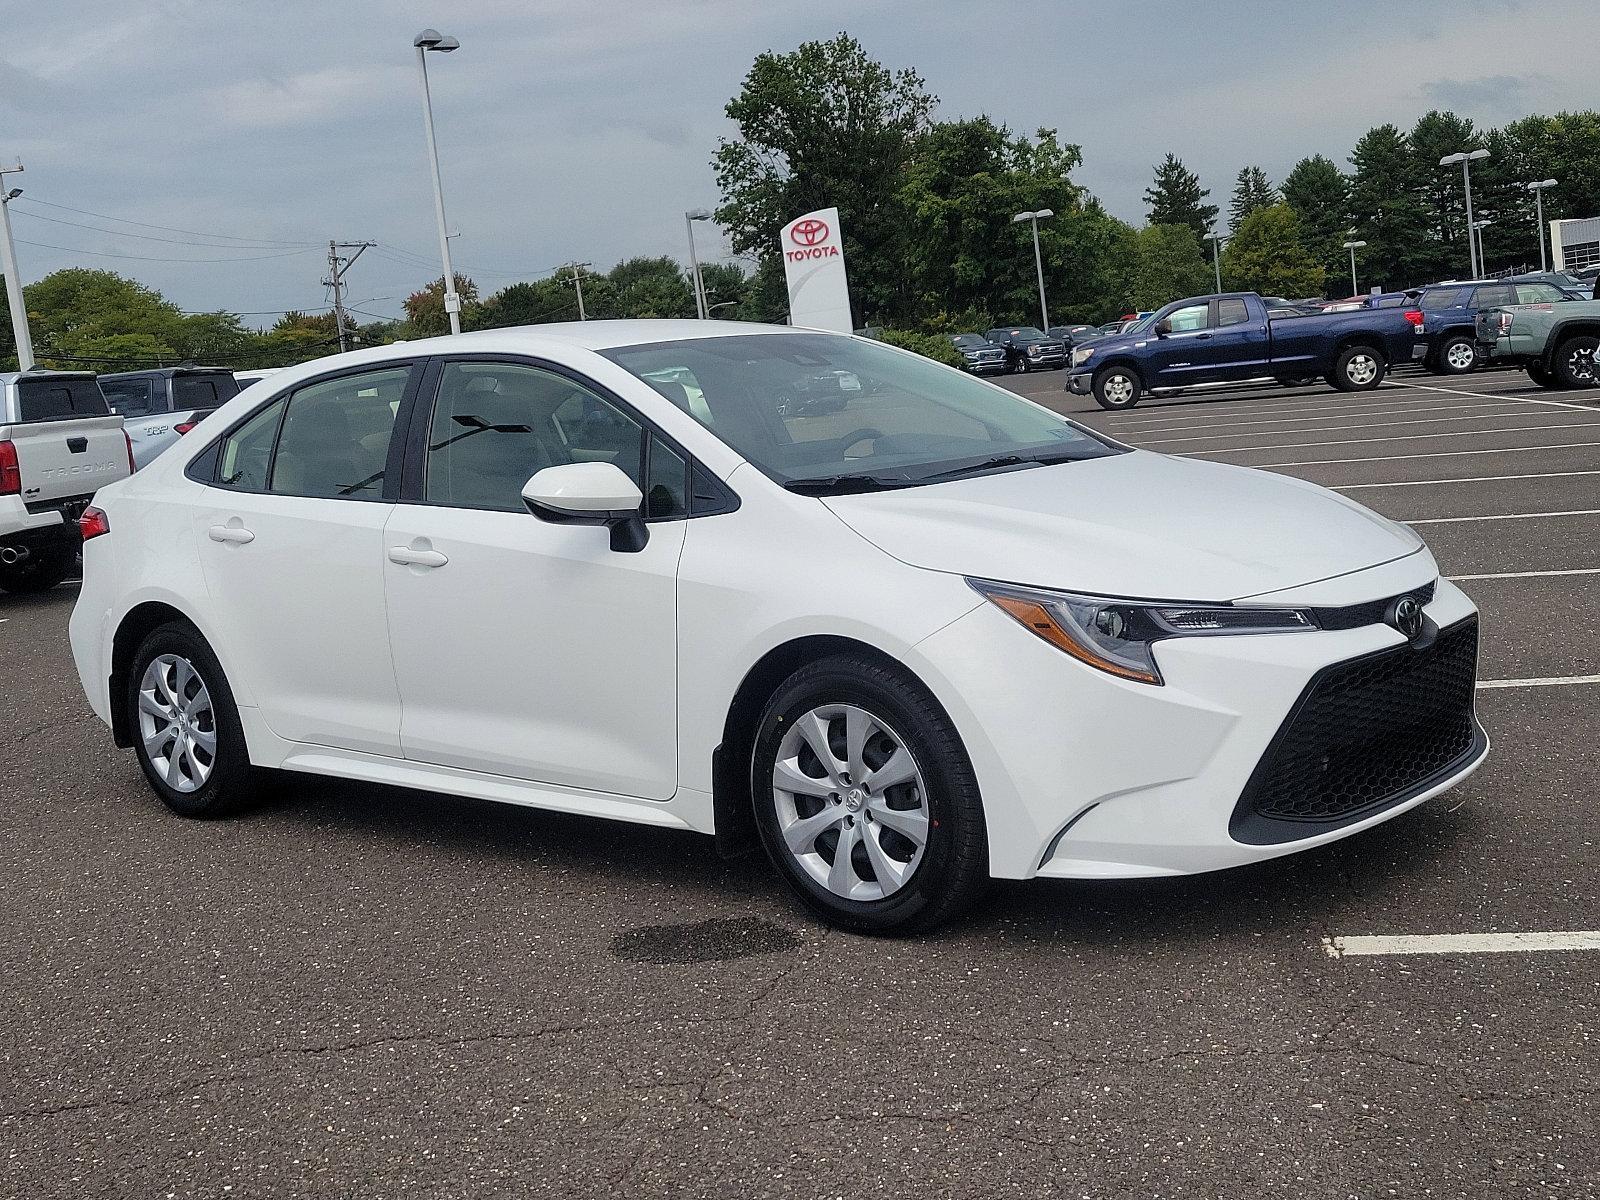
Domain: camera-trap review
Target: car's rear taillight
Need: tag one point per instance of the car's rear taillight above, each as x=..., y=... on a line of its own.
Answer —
x=93, y=523
x=1414, y=315
x=10, y=471
x=129, y=442
x=183, y=427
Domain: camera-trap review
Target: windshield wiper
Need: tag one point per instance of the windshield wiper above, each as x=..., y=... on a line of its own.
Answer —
x=838, y=485
x=999, y=461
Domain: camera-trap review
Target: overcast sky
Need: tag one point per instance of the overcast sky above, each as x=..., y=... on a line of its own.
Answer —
x=583, y=129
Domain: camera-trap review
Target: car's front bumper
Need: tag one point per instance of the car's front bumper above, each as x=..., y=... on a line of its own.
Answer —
x=1088, y=776
x=1080, y=383
x=996, y=366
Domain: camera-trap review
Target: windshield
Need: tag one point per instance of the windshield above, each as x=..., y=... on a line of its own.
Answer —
x=1028, y=335
x=969, y=339
x=847, y=413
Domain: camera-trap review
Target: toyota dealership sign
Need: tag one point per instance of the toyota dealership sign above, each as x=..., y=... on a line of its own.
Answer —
x=813, y=264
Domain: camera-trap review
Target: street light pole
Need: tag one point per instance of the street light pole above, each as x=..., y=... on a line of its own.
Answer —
x=1355, y=290
x=1538, y=200
x=1466, y=160
x=1216, y=240
x=689, y=218
x=432, y=39
x=19, y=309
x=1478, y=228
x=1038, y=259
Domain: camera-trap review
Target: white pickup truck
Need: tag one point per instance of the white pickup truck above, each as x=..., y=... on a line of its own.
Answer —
x=59, y=443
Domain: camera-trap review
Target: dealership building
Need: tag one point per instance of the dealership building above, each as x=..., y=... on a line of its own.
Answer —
x=1575, y=244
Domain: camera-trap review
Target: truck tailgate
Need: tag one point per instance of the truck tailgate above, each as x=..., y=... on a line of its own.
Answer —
x=63, y=460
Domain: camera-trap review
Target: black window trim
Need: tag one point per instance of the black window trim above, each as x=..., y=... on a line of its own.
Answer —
x=392, y=465
x=413, y=475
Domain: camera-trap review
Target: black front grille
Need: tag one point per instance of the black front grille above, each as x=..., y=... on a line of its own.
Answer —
x=1364, y=735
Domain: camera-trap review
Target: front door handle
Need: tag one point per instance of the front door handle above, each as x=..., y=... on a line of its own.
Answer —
x=405, y=556
x=232, y=535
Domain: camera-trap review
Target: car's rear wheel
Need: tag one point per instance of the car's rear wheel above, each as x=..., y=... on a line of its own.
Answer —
x=38, y=570
x=185, y=725
x=1542, y=377
x=865, y=799
x=1457, y=355
x=1575, y=364
x=1296, y=380
x=1116, y=388
x=1357, y=369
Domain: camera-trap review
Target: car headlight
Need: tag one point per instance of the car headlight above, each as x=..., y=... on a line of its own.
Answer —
x=1116, y=636
x=1079, y=357
x=970, y=355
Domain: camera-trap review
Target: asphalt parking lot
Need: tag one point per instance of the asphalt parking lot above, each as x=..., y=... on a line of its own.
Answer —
x=363, y=992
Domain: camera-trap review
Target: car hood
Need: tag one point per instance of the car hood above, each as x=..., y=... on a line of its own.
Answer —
x=1136, y=525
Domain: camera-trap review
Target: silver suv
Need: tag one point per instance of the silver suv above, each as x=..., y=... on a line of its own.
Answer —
x=158, y=407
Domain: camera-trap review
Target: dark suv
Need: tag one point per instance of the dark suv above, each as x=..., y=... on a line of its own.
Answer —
x=1450, y=315
x=1029, y=349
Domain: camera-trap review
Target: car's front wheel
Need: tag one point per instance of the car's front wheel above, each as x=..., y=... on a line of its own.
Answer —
x=1357, y=369
x=1575, y=364
x=865, y=799
x=1116, y=388
x=186, y=727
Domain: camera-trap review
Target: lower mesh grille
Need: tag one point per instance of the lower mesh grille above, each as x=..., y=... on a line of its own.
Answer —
x=1364, y=735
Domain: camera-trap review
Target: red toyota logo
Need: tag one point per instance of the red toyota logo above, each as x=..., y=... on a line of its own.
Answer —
x=809, y=232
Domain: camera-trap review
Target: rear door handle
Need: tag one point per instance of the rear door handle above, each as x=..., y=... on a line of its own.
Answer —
x=232, y=535
x=405, y=556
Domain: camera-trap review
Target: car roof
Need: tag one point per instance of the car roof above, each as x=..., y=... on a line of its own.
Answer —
x=10, y=377
x=167, y=372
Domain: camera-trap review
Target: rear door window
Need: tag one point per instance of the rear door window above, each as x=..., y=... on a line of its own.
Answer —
x=1436, y=298
x=59, y=399
x=1495, y=296
x=1232, y=312
x=202, y=392
x=335, y=437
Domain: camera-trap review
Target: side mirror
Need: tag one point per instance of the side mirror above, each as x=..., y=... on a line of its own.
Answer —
x=596, y=493
x=1163, y=327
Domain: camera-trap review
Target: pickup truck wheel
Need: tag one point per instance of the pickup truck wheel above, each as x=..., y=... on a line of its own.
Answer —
x=40, y=571
x=1456, y=356
x=1575, y=364
x=1117, y=387
x=1296, y=380
x=1542, y=377
x=185, y=725
x=1357, y=369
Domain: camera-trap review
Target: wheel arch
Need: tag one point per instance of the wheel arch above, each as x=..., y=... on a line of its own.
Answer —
x=1131, y=364
x=1361, y=337
x=1581, y=326
x=731, y=798
x=136, y=625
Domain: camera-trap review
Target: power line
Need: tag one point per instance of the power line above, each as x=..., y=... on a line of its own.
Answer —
x=149, y=237
x=83, y=212
x=154, y=258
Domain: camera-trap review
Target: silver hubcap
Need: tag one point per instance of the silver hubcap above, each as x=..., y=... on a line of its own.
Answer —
x=176, y=723
x=1460, y=356
x=1363, y=368
x=852, y=808
x=1119, y=389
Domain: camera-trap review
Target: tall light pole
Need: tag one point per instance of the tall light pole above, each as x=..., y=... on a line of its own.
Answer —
x=1477, y=230
x=1466, y=160
x=1353, y=247
x=689, y=218
x=1038, y=259
x=19, y=310
x=432, y=39
x=1216, y=239
x=1538, y=200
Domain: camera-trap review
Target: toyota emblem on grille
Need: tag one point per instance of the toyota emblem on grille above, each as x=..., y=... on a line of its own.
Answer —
x=1405, y=615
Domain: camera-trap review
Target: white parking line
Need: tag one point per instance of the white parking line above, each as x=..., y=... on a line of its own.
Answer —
x=1404, y=437
x=1528, y=516
x=1203, y=408
x=1520, y=399
x=1461, y=943
x=1350, y=487
x=1525, y=574
x=1336, y=416
x=1372, y=458
x=1547, y=681
x=1211, y=437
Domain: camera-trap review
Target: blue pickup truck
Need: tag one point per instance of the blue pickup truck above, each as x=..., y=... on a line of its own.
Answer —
x=1236, y=338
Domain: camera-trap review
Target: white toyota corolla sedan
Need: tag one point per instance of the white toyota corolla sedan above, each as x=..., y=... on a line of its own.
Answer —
x=907, y=627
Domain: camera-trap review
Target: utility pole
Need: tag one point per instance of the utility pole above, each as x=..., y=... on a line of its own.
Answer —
x=337, y=266
x=19, y=310
x=577, y=282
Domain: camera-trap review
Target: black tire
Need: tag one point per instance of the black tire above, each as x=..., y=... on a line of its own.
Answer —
x=954, y=867
x=1110, y=377
x=1358, y=368
x=1296, y=380
x=40, y=571
x=1542, y=377
x=1464, y=348
x=1574, y=364
x=233, y=783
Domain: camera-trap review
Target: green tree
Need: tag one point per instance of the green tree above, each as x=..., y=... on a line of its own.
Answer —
x=425, y=308
x=1251, y=190
x=1176, y=198
x=1266, y=255
x=1564, y=147
x=647, y=288
x=1169, y=265
x=1319, y=194
x=1386, y=209
x=728, y=290
x=825, y=125
x=1443, y=250
x=531, y=303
